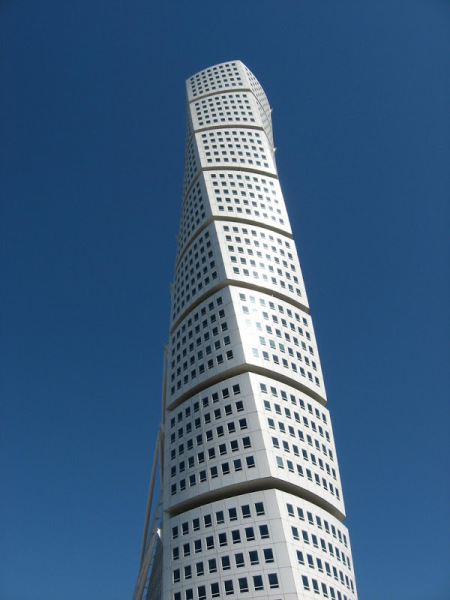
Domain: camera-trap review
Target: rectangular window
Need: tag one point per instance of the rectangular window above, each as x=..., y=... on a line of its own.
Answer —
x=236, y=536
x=228, y=584
x=239, y=558
x=259, y=507
x=268, y=555
x=212, y=565
x=264, y=531
x=258, y=582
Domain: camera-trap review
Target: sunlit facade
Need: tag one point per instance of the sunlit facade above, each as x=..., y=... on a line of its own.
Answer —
x=250, y=502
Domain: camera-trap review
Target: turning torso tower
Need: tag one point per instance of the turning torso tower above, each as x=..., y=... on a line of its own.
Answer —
x=251, y=503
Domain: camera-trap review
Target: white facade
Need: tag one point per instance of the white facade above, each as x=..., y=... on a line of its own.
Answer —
x=251, y=504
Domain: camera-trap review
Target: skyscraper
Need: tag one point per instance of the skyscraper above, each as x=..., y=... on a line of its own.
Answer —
x=251, y=503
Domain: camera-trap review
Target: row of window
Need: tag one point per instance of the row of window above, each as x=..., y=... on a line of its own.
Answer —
x=253, y=211
x=195, y=272
x=291, y=431
x=199, y=321
x=207, y=418
x=327, y=591
x=322, y=524
x=219, y=359
x=225, y=107
x=275, y=359
x=193, y=213
x=319, y=563
x=306, y=457
x=275, y=393
x=215, y=78
x=188, y=264
x=230, y=587
x=209, y=437
x=191, y=167
x=206, y=401
x=292, y=414
x=225, y=469
x=222, y=450
x=231, y=427
x=220, y=540
x=319, y=481
x=221, y=517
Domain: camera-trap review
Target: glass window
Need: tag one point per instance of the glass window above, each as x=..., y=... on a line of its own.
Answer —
x=212, y=565
x=268, y=555
x=239, y=558
x=259, y=507
x=258, y=582
x=232, y=513
x=228, y=584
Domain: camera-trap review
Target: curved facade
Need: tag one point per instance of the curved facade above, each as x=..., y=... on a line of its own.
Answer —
x=251, y=504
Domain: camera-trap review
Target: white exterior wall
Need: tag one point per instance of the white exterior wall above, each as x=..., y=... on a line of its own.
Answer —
x=252, y=497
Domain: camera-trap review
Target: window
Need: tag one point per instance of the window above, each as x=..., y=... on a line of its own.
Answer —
x=208, y=520
x=236, y=536
x=258, y=582
x=243, y=584
x=254, y=559
x=215, y=592
x=250, y=460
x=259, y=507
x=273, y=580
x=229, y=587
x=268, y=555
x=223, y=539
x=212, y=565
x=249, y=534
x=239, y=558
x=199, y=569
x=201, y=592
x=226, y=563
x=232, y=513
x=264, y=531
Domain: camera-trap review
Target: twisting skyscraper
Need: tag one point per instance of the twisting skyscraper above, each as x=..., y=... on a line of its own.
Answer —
x=251, y=503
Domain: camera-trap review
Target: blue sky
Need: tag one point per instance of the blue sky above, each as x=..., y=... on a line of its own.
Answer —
x=92, y=142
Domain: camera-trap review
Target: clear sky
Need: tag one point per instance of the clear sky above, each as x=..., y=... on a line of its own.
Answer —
x=92, y=136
